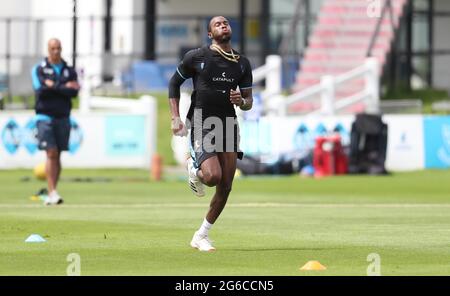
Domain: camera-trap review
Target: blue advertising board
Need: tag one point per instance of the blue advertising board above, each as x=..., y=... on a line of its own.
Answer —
x=125, y=135
x=437, y=141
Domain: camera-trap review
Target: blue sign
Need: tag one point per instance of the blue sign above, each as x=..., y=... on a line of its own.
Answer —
x=125, y=135
x=29, y=140
x=344, y=133
x=256, y=137
x=437, y=142
x=76, y=136
x=11, y=136
x=173, y=30
x=303, y=138
x=149, y=75
x=321, y=130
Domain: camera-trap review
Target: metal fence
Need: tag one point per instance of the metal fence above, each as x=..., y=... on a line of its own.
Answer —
x=23, y=44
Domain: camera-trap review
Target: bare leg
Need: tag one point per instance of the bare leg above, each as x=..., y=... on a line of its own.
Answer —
x=228, y=162
x=53, y=168
x=59, y=170
x=210, y=172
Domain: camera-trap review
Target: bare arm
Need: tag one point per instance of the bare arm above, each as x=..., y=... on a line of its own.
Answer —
x=184, y=71
x=247, y=94
x=177, y=125
x=243, y=99
x=174, y=105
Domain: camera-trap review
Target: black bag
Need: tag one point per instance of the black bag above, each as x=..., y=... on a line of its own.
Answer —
x=368, y=145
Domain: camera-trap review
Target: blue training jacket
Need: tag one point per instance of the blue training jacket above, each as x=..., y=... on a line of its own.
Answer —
x=56, y=101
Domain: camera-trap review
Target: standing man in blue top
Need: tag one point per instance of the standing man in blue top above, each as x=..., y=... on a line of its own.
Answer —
x=55, y=84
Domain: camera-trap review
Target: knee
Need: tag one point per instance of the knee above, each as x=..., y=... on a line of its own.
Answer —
x=212, y=178
x=53, y=154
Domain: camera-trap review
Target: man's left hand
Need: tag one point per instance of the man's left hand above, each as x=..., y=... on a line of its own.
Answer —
x=72, y=84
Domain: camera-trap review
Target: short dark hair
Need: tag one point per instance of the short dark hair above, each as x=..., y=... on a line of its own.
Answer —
x=210, y=20
x=209, y=24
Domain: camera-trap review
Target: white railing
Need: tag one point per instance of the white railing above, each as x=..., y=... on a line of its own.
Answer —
x=89, y=102
x=326, y=89
x=271, y=73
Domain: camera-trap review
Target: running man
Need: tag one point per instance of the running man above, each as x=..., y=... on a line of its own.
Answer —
x=55, y=84
x=217, y=70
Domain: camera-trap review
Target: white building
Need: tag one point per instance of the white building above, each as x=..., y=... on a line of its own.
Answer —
x=26, y=25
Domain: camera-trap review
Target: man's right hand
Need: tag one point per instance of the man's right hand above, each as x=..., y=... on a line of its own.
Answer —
x=49, y=83
x=178, y=127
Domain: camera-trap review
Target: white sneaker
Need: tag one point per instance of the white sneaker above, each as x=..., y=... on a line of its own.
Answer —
x=197, y=187
x=53, y=199
x=202, y=243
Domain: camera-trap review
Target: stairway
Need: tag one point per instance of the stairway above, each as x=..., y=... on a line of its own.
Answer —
x=339, y=43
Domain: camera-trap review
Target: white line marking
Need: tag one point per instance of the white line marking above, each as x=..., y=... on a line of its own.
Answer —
x=232, y=205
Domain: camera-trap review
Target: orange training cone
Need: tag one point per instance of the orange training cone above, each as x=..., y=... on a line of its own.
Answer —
x=156, y=169
x=313, y=265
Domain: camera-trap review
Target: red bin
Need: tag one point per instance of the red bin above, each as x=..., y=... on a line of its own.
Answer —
x=329, y=157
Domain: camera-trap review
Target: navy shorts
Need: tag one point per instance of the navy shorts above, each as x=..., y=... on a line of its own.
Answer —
x=54, y=133
x=206, y=142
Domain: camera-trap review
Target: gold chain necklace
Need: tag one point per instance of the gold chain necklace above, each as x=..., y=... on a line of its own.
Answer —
x=228, y=56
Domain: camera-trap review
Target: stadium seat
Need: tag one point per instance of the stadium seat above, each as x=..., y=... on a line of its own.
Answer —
x=339, y=43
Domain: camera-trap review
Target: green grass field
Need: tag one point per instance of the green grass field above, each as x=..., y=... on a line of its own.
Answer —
x=272, y=226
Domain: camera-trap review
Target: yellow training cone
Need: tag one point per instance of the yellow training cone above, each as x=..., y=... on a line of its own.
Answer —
x=35, y=198
x=313, y=265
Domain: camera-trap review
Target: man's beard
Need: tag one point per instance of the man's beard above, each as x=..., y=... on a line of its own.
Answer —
x=225, y=38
